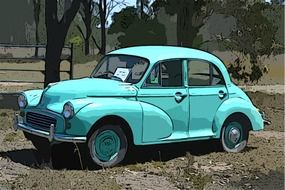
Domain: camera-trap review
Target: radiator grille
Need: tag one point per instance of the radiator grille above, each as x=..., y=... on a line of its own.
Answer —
x=40, y=120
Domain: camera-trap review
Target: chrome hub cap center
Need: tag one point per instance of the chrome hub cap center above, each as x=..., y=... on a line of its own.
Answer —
x=234, y=135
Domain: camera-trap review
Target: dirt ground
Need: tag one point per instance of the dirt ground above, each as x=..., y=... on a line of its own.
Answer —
x=195, y=165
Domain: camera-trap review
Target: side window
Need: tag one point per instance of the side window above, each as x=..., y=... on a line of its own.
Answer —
x=166, y=74
x=217, y=77
x=201, y=73
x=198, y=73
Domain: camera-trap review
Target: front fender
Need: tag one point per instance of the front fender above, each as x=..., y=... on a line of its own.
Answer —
x=237, y=105
x=128, y=109
x=33, y=97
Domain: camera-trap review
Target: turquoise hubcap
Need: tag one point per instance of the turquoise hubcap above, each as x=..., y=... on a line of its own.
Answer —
x=233, y=134
x=107, y=145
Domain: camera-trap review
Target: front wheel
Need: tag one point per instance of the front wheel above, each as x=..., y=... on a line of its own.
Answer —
x=234, y=135
x=108, y=145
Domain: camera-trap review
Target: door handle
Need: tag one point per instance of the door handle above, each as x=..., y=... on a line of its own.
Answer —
x=179, y=97
x=222, y=94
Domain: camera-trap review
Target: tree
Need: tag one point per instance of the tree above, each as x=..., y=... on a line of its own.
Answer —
x=37, y=10
x=254, y=36
x=191, y=15
x=137, y=31
x=86, y=14
x=56, y=33
x=141, y=4
x=104, y=10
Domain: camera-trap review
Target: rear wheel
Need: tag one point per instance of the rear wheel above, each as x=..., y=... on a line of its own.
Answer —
x=235, y=135
x=108, y=145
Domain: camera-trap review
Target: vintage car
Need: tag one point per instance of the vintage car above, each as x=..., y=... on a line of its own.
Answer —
x=142, y=95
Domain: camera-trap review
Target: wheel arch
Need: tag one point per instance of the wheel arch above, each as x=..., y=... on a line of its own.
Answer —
x=114, y=120
x=237, y=107
x=238, y=115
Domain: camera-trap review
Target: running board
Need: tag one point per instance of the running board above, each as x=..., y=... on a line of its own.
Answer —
x=182, y=136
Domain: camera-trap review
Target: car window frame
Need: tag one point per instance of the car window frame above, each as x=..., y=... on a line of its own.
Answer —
x=145, y=86
x=113, y=55
x=211, y=66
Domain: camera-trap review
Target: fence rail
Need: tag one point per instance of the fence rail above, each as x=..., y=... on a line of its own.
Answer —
x=7, y=55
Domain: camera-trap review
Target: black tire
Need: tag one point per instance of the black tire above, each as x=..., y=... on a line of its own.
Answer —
x=235, y=133
x=108, y=145
x=41, y=144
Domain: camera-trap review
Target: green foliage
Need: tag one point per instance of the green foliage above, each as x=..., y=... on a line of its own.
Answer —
x=191, y=16
x=137, y=31
x=76, y=40
x=253, y=36
x=275, y=15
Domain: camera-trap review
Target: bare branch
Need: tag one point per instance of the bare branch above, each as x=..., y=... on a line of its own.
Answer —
x=95, y=42
x=80, y=30
x=71, y=12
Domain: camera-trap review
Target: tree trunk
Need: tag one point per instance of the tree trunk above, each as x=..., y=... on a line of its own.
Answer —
x=103, y=41
x=37, y=40
x=88, y=35
x=56, y=33
x=184, y=23
x=87, y=47
x=142, y=5
x=37, y=10
x=53, y=54
x=102, y=11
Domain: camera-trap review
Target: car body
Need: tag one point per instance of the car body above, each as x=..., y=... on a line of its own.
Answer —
x=143, y=95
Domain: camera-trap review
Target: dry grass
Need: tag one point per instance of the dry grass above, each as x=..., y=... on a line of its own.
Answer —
x=80, y=70
x=275, y=75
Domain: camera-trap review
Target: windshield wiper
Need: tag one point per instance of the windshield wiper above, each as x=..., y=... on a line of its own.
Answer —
x=117, y=78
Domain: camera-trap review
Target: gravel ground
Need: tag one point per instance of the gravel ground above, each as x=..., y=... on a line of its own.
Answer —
x=195, y=165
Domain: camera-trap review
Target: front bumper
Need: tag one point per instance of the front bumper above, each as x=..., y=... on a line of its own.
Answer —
x=50, y=135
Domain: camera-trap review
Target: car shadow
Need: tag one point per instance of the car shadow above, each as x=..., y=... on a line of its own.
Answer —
x=27, y=157
x=68, y=156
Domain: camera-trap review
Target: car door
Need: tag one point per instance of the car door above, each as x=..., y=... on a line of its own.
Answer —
x=207, y=91
x=164, y=89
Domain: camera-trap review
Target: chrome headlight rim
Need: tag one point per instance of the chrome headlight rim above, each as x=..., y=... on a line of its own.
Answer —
x=68, y=110
x=22, y=101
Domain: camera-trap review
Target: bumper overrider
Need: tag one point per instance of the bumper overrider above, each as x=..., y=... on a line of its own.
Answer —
x=265, y=120
x=50, y=135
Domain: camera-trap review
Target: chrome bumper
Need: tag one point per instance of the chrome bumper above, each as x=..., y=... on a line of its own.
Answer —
x=51, y=135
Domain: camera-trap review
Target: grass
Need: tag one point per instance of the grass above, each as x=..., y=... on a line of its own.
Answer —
x=10, y=137
x=6, y=118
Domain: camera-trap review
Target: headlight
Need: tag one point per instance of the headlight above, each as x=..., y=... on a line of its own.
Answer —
x=22, y=101
x=68, y=110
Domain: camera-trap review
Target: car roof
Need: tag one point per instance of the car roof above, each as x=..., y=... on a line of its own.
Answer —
x=158, y=53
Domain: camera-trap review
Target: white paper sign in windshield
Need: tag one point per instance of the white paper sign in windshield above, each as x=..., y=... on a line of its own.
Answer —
x=122, y=73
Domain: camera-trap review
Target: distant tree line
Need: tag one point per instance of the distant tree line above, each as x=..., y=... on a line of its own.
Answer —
x=258, y=28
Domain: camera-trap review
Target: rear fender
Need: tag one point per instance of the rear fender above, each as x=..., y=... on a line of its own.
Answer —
x=237, y=105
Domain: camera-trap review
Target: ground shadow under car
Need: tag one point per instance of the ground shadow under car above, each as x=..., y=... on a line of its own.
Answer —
x=67, y=156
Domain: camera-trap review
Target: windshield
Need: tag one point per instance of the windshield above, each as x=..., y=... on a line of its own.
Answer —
x=123, y=68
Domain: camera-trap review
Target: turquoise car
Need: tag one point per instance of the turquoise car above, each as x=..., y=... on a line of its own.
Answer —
x=141, y=95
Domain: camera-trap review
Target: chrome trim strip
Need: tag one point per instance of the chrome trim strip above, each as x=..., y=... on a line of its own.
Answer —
x=51, y=135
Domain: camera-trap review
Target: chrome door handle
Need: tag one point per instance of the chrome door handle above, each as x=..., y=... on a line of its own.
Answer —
x=179, y=97
x=222, y=94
